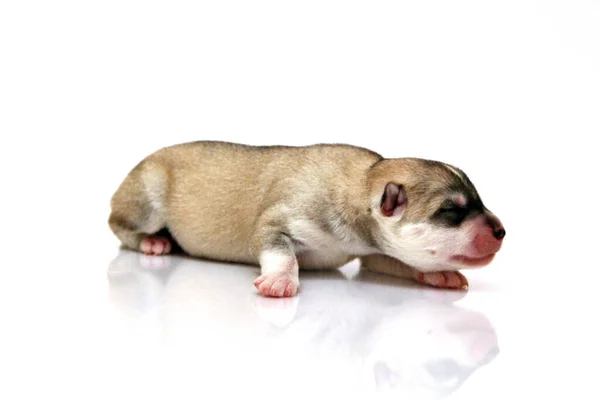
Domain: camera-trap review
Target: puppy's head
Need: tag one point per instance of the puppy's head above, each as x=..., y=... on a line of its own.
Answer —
x=430, y=216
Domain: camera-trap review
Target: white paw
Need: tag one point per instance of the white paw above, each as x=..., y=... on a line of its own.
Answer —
x=280, y=284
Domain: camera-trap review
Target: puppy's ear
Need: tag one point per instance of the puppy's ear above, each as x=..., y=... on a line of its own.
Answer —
x=393, y=200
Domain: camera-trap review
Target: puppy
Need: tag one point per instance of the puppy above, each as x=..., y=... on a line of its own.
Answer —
x=309, y=207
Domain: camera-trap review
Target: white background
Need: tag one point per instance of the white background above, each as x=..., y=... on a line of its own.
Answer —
x=508, y=91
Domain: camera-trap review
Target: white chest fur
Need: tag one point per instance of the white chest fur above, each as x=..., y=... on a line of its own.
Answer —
x=309, y=236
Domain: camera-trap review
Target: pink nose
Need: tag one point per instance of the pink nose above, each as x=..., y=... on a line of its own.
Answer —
x=496, y=226
x=487, y=242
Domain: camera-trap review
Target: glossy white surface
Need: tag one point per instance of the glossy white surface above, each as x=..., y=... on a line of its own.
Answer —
x=509, y=91
x=150, y=327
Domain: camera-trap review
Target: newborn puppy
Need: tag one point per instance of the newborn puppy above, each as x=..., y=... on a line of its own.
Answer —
x=317, y=206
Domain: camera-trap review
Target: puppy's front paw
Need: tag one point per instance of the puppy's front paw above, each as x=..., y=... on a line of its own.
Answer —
x=282, y=284
x=155, y=246
x=443, y=280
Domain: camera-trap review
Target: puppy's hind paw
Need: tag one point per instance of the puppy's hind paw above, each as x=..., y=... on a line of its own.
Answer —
x=155, y=246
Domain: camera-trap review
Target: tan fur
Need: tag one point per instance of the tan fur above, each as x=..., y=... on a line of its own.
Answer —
x=313, y=207
x=224, y=200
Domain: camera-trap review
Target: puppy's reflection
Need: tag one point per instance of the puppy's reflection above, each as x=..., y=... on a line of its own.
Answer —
x=441, y=344
x=394, y=335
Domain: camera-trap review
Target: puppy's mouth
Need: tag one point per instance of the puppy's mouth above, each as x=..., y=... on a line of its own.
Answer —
x=473, y=261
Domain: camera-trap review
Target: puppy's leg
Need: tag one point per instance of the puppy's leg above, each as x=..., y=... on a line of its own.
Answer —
x=278, y=264
x=137, y=210
x=392, y=266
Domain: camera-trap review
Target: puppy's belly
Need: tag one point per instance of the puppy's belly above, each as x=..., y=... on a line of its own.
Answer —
x=200, y=238
x=322, y=259
x=207, y=221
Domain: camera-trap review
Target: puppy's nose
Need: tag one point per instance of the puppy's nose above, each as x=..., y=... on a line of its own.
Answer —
x=500, y=233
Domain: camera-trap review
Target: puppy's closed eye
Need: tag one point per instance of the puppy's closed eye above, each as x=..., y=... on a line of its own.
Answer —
x=451, y=215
